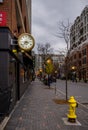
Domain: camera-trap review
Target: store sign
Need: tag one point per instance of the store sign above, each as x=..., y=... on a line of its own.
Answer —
x=3, y=18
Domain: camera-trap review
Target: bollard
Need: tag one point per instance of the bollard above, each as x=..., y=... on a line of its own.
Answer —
x=72, y=108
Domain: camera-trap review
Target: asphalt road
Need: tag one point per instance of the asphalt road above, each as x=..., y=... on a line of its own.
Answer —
x=79, y=90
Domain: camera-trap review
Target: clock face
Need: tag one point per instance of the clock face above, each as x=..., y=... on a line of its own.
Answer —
x=26, y=41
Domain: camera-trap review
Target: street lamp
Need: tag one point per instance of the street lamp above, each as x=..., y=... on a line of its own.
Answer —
x=48, y=61
x=73, y=67
x=74, y=78
x=49, y=69
x=40, y=70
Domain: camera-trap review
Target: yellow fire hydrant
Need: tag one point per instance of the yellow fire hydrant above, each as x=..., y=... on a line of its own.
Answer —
x=72, y=108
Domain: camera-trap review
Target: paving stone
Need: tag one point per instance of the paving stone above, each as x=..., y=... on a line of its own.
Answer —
x=37, y=111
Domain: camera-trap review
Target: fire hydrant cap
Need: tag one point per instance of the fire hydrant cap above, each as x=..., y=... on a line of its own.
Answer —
x=72, y=100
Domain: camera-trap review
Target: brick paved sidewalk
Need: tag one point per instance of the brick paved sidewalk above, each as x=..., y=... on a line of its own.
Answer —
x=37, y=111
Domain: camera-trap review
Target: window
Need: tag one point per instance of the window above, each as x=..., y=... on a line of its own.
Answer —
x=80, y=63
x=85, y=20
x=75, y=56
x=87, y=27
x=79, y=55
x=87, y=17
x=84, y=52
x=84, y=60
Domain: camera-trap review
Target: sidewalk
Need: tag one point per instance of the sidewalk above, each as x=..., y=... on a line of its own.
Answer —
x=38, y=111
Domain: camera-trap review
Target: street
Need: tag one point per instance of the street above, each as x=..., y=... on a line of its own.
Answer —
x=79, y=90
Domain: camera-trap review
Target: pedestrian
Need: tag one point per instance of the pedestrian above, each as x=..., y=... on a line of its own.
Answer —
x=72, y=78
x=49, y=80
x=75, y=77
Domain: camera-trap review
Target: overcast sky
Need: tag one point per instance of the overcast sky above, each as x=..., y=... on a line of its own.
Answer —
x=47, y=13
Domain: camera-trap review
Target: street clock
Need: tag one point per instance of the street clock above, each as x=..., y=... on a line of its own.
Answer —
x=26, y=41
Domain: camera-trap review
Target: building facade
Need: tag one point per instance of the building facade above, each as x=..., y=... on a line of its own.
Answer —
x=15, y=65
x=79, y=45
x=18, y=15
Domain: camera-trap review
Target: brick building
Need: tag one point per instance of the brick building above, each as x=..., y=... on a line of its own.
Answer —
x=18, y=15
x=16, y=66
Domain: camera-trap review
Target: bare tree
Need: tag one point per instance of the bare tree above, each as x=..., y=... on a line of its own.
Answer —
x=44, y=50
x=62, y=51
x=64, y=33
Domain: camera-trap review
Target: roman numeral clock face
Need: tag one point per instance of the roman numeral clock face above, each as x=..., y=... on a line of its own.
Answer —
x=26, y=41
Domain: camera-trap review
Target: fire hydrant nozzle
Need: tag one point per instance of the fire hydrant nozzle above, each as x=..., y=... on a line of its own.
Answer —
x=72, y=108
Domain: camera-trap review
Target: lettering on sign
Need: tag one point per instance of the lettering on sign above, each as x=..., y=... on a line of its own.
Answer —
x=3, y=18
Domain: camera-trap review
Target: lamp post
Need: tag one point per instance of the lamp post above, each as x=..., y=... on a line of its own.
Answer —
x=73, y=73
x=40, y=73
x=49, y=69
x=66, y=73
